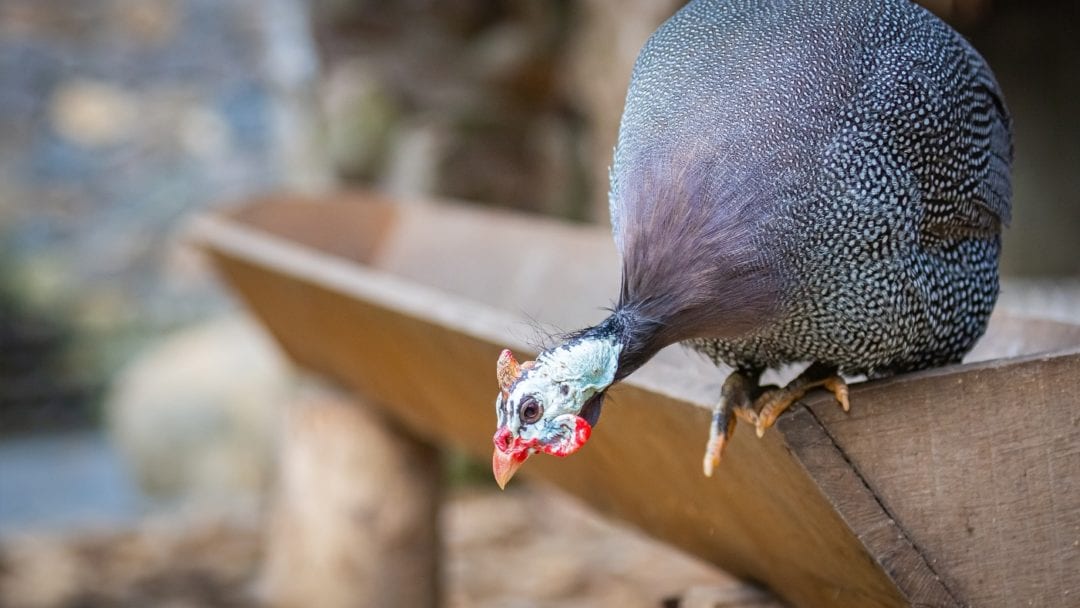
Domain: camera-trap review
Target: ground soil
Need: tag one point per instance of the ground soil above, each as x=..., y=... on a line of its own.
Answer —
x=525, y=547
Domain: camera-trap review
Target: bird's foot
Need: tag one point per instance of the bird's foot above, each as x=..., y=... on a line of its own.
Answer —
x=735, y=402
x=772, y=403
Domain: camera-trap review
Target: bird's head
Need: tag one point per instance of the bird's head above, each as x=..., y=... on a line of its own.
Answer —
x=550, y=405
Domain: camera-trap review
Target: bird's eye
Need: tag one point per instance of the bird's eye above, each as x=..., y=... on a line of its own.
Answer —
x=531, y=410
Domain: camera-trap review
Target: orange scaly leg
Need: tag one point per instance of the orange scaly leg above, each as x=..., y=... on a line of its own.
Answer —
x=735, y=402
x=771, y=404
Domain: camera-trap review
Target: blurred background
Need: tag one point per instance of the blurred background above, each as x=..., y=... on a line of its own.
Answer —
x=141, y=412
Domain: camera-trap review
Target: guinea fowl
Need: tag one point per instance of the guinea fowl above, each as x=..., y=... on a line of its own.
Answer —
x=794, y=181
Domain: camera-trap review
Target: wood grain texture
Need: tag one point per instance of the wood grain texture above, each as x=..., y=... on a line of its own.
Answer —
x=980, y=467
x=417, y=328
x=859, y=506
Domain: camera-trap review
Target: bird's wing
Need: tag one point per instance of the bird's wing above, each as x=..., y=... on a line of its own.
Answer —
x=982, y=201
x=962, y=146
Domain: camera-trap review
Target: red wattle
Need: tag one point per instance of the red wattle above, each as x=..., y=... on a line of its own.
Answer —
x=582, y=432
x=518, y=448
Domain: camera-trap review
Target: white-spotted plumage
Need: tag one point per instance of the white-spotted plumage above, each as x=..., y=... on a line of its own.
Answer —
x=871, y=146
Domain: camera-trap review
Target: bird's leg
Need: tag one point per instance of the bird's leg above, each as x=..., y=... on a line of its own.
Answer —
x=771, y=404
x=736, y=398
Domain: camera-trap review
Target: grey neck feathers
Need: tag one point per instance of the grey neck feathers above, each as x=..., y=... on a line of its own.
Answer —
x=693, y=264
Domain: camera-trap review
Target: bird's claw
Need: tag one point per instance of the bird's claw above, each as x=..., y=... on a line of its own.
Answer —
x=839, y=389
x=734, y=404
x=714, y=449
x=774, y=403
x=746, y=414
x=770, y=402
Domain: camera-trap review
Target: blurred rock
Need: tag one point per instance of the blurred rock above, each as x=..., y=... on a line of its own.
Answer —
x=92, y=114
x=196, y=416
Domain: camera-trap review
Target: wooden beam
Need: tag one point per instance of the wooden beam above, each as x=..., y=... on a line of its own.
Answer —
x=354, y=513
x=979, y=466
x=415, y=316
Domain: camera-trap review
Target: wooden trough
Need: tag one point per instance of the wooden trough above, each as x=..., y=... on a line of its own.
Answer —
x=952, y=487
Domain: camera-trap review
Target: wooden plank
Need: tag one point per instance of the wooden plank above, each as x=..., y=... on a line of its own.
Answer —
x=755, y=519
x=792, y=510
x=981, y=468
x=885, y=541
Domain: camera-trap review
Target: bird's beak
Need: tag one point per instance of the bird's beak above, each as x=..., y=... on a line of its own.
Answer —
x=504, y=465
